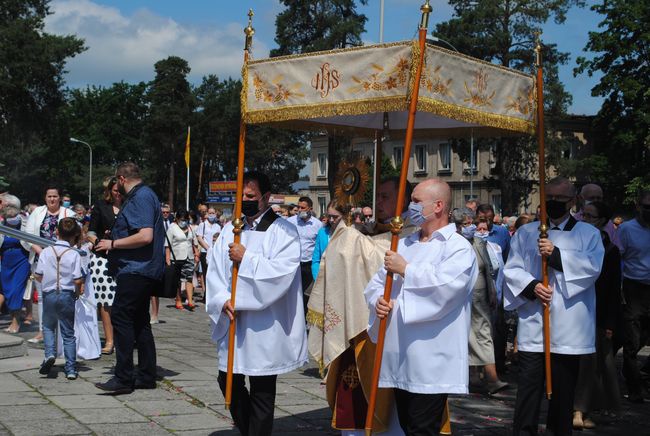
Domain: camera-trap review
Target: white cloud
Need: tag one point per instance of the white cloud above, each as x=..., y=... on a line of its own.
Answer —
x=126, y=47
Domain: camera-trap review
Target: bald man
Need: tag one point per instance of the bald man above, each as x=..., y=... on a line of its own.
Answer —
x=588, y=194
x=425, y=354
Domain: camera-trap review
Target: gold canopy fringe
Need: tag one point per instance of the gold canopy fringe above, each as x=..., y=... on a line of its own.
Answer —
x=415, y=59
x=316, y=319
x=474, y=116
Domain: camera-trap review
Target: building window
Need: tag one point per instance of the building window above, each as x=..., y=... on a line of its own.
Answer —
x=322, y=206
x=444, y=158
x=322, y=165
x=420, y=158
x=398, y=156
x=473, y=164
x=496, y=203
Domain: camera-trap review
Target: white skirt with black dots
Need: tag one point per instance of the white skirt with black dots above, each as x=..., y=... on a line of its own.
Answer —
x=103, y=284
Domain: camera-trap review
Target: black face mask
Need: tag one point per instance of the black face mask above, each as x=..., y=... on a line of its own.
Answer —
x=250, y=207
x=555, y=209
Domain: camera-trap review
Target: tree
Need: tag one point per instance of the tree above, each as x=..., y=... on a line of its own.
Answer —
x=306, y=26
x=622, y=51
x=171, y=107
x=503, y=31
x=31, y=81
x=278, y=153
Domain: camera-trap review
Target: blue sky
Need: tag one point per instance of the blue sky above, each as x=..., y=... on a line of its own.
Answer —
x=126, y=37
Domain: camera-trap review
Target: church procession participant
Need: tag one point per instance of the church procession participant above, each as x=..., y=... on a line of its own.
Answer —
x=575, y=254
x=270, y=329
x=425, y=354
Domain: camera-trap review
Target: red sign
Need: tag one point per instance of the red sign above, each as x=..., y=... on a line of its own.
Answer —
x=225, y=186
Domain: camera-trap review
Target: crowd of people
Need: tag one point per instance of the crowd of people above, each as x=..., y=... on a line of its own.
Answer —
x=466, y=281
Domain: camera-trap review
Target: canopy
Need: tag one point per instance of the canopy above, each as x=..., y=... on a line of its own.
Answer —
x=353, y=88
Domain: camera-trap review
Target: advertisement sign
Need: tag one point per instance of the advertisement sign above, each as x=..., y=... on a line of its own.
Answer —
x=222, y=186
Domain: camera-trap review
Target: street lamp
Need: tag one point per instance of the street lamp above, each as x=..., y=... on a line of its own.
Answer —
x=90, y=168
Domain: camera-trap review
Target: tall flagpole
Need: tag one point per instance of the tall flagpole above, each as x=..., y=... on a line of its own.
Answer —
x=397, y=223
x=543, y=227
x=187, y=170
x=238, y=223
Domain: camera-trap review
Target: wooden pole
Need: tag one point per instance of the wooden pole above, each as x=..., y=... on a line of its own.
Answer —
x=238, y=224
x=543, y=227
x=396, y=222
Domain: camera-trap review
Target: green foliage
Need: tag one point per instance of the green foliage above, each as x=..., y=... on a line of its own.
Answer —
x=503, y=31
x=31, y=79
x=635, y=187
x=171, y=105
x=307, y=26
x=621, y=52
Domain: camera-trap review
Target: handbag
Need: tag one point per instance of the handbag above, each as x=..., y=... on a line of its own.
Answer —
x=171, y=278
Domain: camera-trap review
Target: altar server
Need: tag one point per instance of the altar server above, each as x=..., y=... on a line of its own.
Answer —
x=575, y=255
x=425, y=354
x=270, y=334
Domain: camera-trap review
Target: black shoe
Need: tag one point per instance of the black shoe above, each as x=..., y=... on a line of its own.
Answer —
x=142, y=385
x=47, y=365
x=115, y=387
x=635, y=398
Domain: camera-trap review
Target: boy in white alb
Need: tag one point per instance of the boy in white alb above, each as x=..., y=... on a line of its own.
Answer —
x=59, y=271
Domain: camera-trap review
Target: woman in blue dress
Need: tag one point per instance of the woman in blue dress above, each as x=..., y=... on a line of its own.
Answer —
x=14, y=270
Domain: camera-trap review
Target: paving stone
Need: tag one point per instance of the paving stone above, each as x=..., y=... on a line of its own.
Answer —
x=85, y=401
x=49, y=427
x=9, y=383
x=33, y=411
x=122, y=429
x=106, y=416
x=20, y=398
x=207, y=421
x=164, y=407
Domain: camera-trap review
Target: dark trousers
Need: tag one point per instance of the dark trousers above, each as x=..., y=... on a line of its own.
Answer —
x=500, y=338
x=419, y=414
x=635, y=311
x=564, y=369
x=130, y=318
x=252, y=411
x=307, y=279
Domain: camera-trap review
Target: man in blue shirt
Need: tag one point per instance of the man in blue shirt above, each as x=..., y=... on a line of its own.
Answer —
x=135, y=255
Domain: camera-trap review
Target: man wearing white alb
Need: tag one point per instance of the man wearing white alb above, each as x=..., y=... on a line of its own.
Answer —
x=425, y=353
x=575, y=256
x=270, y=336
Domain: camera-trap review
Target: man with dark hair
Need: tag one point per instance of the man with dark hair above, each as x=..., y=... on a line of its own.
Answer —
x=635, y=241
x=308, y=226
x=575, y=255
x=270, y=336
x=135, y=256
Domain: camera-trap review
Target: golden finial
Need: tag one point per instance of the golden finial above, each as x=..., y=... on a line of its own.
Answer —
x=238, y=225
x=249, y=31
x=426, y=10
x=396, y=224
x=538, y=49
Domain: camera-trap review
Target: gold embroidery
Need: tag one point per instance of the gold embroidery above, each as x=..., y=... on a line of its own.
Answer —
x=478, y=93
x=325, y=80
x=379, y=80
x=523, y=103
x=433, y=82
x=274, y=92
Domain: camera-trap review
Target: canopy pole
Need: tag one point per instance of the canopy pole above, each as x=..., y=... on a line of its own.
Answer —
x=397, y=223
x=377, y=173
x=238, y=222
x=543, y=227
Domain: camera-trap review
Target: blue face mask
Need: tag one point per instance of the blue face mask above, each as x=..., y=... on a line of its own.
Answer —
x=13, y=222
x=468, y=232
x=212, y=218
x=415, y=213
x=482, y=236
x=66, y=203
x=183, y=224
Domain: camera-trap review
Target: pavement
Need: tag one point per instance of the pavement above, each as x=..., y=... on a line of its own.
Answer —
x=188, y=401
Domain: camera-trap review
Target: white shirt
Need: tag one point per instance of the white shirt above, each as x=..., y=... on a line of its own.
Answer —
x=428, y=329
x=307, y=231
x=270, y=330
x=206, y=230
x=635, y=251
x=573, y=306
x=69, y=267
x=182, y=242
